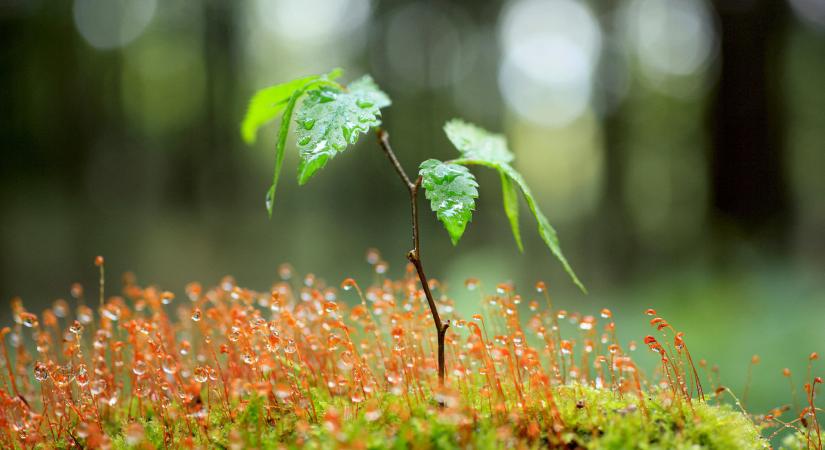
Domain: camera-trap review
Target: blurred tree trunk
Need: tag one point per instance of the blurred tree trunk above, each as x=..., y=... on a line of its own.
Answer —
x=617, y=246
x=749, y=189
x=218, y=133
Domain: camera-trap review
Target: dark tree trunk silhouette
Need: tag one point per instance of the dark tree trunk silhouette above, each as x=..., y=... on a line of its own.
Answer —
x=749, y=189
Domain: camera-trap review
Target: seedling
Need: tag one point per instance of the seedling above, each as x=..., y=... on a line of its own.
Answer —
x=332, y=116
x=230, y=367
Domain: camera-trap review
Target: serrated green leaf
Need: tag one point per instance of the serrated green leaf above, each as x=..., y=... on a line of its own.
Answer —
x=479, y=147
x=366, y=89
x=451, y=190
x=331, y=119
x=509, y=195
x=477, y=143
x=267, y=103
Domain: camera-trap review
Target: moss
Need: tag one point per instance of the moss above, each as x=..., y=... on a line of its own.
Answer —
x=593, y=419
x=793, y=441
x=499, y=401
x=599, y=419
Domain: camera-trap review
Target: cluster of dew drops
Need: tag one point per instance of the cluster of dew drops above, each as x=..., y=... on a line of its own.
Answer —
x=141, y=350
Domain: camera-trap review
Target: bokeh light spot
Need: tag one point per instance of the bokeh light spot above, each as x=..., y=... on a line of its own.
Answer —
x=674, y=41
x=550, y=50
x=108, y=24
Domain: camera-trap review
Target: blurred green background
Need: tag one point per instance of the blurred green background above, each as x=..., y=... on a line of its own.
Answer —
x=677, y=145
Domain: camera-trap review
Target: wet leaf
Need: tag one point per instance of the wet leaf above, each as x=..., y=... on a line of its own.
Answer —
x=477, y=143
x=267, y=104
x=480, y=147
x=331, y=119
x=451, y=190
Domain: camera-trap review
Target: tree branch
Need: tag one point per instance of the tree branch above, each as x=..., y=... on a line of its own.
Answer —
x=384, y=140
x=414, y=255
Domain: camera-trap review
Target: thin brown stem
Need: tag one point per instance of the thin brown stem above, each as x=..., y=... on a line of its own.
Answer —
x=414, y=255
x=384, y=140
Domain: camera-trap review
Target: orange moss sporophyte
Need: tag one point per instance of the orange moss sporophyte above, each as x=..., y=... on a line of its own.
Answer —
x=305, y=363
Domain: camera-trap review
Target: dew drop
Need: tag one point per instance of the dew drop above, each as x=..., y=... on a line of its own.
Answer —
x=84, y=314
x=139, y=368
x=326, y=96
x=333, y=341
x=76, y=328
x=60, y=308
x=364, y=103
x=234, y=334
x=348, y=284
x=166, y=297
x=270, y=199
x=373, y=256
x=249, y=357
x=169, y=365
x=381, y=267
x=200, y=374
x=112, y=312
x=41, y=372
x=82, y=377
x=285, y=271
x=29, y=320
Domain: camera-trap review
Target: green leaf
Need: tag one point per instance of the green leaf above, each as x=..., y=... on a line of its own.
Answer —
x=477, y=143
x=366, y=90
x=546, y=231
x=480, y=147
x=509, y=195
x=280, y=147
x=266, y=104
x=331, y=119
x=451, y=190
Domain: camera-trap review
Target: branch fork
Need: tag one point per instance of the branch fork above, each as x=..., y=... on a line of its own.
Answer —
x=414, y=255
